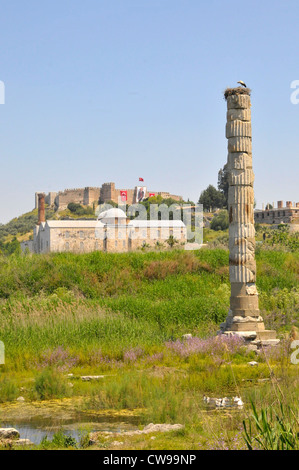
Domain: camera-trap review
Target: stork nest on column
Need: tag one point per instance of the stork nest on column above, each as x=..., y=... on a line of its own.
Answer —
x=237, y=91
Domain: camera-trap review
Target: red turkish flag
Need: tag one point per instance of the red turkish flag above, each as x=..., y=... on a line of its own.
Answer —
x=152, y=194
x=124, y=196
x=141, y=179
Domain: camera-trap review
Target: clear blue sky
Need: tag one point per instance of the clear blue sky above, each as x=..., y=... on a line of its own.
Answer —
x=110, y=90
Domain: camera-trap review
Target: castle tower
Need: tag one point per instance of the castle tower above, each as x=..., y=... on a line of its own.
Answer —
x=244, y=317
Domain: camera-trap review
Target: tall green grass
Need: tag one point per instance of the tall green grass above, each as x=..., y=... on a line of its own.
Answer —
x=272, y=428
x=8, y=390
x=110, y=302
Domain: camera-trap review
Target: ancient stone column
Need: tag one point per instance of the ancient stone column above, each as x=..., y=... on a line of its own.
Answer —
x=244, y=317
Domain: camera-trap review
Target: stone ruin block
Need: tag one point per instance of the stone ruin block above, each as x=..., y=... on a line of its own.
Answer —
x=238, y=129
x=239, y=161
x=239, y=144
x=238, y=114
x=238, y=102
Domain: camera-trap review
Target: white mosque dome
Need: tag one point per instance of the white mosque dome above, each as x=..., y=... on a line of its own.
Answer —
x=113, y=213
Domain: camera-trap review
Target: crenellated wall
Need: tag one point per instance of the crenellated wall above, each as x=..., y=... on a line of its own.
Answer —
x=63, y=198
x=90, y=196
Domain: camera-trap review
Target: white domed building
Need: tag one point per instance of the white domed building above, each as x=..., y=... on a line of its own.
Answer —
x=113, y=216
x=112, y=232
x=112, y=229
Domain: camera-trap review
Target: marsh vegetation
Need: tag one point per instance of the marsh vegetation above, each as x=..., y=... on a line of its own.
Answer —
x=124, y=316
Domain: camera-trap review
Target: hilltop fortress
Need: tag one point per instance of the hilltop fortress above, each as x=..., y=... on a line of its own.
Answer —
x=92, y=196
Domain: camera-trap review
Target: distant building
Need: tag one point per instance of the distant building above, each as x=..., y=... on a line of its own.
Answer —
x=27, y=246
x=288, y=214
x=112, y=232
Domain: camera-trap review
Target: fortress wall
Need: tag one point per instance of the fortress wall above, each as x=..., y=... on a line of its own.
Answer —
x=69, y=195
x=50, y=198
x=131, y=195
x=107, y=192
x=91, y=195
x=110, y=193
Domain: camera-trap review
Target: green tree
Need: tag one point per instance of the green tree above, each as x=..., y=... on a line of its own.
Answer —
x=211, y=199
x=220, y=221
x=223, y=183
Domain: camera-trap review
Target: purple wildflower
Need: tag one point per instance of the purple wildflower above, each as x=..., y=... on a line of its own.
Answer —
x=215, y=346
x=157, y=357
x=59, y=358
x=133, y=354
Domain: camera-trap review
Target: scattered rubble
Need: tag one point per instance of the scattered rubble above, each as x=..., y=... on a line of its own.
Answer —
x=150, y=428
x=9, y=433
x=235, y=402
x=21, y=399
x=10, y=437
x=117, y=443
x=23, y=442
x=89, y=378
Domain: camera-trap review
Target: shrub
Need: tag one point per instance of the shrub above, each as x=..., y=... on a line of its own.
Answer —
x=171, y=241
x=220, y=221
x=51, y=384
x=8, y=390
x=59, y=440
x=77, y=209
